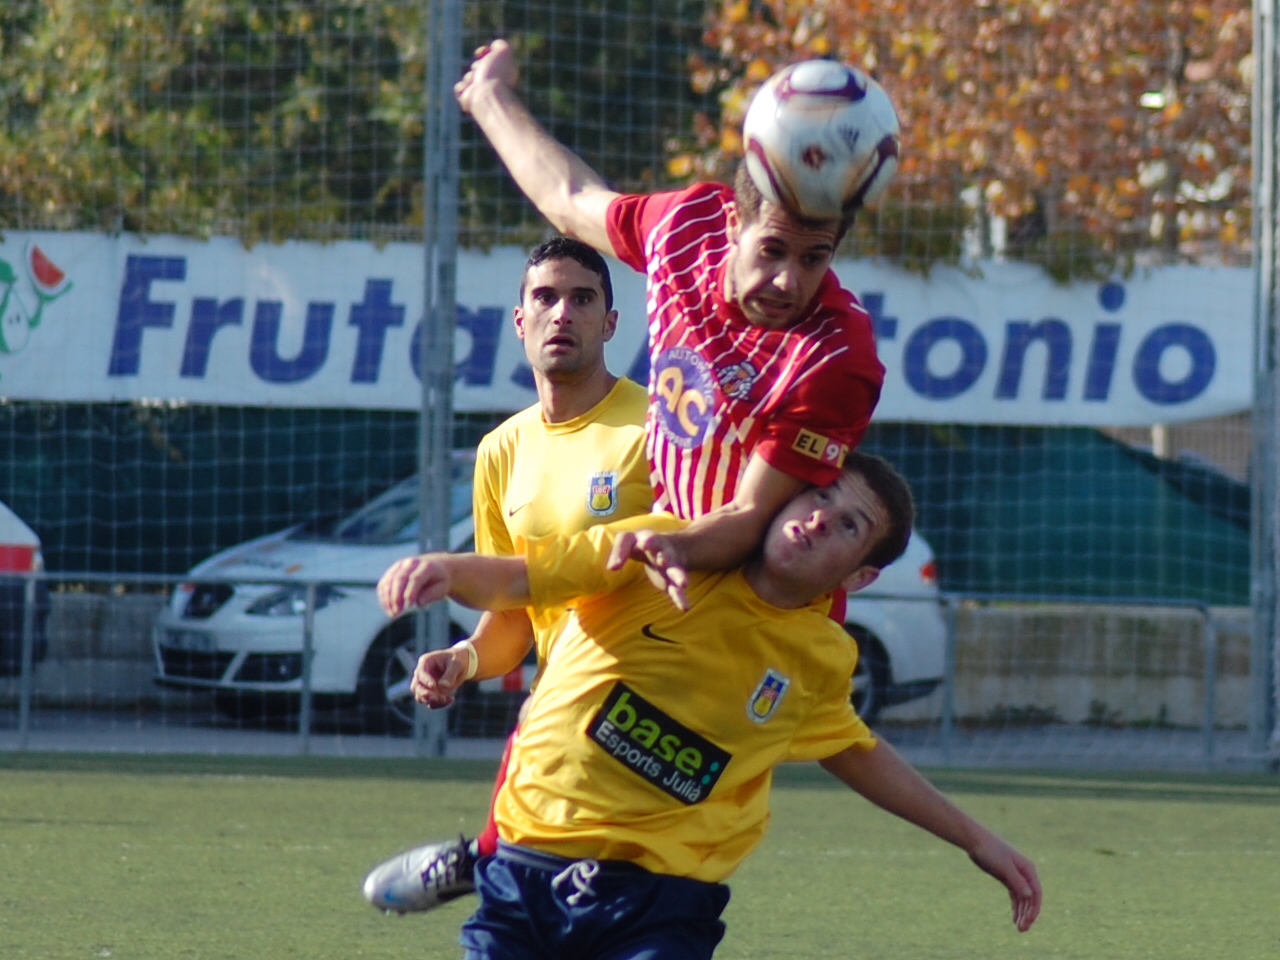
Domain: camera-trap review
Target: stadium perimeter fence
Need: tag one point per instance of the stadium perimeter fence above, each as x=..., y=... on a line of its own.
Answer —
x=271, y=121
x=1025, y=682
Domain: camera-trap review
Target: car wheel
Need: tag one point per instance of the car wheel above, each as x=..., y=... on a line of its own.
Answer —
x=870, y=677
x=383, y=698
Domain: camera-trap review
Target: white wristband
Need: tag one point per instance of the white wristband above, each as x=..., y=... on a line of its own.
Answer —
x=473, y=658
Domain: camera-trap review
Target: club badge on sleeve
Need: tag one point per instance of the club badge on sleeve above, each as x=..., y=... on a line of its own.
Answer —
x=764, y=700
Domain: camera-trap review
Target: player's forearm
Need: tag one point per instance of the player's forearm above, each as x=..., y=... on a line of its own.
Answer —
x=559, y=183
x=488, y=583
x=722, y=539
x=883, y=777
x=501, y=640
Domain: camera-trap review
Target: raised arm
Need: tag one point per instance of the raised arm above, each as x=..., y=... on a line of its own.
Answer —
x=485, y=583
x=883, y=777
x=718, y=540
x=563, y=188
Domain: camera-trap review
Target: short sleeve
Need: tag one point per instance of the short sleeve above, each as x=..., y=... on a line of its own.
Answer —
x=829, y=728
x=628, y=227
x=826, y=413
x=492, y=536
x=632, y=217
x=820, y=422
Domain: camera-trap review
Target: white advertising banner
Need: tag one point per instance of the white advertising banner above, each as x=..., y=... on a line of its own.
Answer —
x=90, y=317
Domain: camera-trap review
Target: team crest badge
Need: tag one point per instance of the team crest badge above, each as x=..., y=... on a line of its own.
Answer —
x=602, y=493
x=737, y=379
x=767, y=695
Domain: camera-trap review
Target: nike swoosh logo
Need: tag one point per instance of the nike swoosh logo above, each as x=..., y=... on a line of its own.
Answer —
x=647, y=630
x=512, y=511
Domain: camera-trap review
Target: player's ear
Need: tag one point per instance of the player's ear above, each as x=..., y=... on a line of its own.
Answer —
x=517, y=315
x=860, y=579
x=610, y=325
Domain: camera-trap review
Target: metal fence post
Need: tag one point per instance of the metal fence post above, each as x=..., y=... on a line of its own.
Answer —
x=440, y=249
x=26, y=682
x=1210, y=681
x=948, y=677
x=308, y=644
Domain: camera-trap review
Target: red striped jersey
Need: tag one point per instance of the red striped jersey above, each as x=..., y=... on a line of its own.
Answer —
x=721, y=387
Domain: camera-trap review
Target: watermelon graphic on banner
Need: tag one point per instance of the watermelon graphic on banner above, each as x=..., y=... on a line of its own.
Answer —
x=22, y=305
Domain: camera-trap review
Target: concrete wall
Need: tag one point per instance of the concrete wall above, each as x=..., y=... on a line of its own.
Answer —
x=1111, y=665
x=99, y=653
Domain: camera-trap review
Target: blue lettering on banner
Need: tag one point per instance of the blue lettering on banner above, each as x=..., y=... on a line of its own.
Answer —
x=1019, y=335
x=476, y=368
x=522, y=376
x=639, y=370
x=973, y=351
x=1102, y=361
x=137, y=311
x=883, y=327
x=207, y=317
x=1146, y=363
x=264, y=359
x=372, y=317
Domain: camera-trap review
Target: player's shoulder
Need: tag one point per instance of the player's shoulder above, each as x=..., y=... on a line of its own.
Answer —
x=627, y=403
x=509, y=430
x=699, y=210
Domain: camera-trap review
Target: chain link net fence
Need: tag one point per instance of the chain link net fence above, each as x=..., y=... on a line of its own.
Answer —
x=1088, y=140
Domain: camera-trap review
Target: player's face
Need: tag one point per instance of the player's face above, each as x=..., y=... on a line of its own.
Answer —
x=823, y=535
x=562, y=319
x=777, y=265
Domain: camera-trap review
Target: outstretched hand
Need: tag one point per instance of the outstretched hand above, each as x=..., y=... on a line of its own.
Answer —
x=999, y=859
x=663, y=559
x=413, y=582
x=438, y=674
x=494, y=63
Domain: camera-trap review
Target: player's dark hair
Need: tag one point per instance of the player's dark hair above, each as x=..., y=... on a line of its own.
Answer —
x=748, y=199
x=567, y=248
x=894, y=494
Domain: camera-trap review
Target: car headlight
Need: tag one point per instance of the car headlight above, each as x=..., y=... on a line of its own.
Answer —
x=291, y=601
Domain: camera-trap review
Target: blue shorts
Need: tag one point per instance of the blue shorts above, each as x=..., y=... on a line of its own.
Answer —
x=535, y=906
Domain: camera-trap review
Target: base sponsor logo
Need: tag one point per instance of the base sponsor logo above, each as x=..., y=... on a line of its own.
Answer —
x=656, y=747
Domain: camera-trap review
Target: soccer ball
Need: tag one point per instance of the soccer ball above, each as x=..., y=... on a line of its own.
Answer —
x=821, y=139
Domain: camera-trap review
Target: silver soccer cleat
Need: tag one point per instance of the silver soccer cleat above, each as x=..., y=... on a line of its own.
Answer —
x=422, y=878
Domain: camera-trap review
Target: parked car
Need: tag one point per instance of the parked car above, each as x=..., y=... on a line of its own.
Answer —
x=20, y=553
x=243, y=641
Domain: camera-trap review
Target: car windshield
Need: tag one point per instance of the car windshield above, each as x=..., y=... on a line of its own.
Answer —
x=392, y=516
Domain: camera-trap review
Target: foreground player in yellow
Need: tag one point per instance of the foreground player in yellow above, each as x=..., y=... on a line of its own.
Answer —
x=640, y=778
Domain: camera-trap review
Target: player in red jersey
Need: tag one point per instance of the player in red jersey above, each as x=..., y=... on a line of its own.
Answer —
x=763, y=368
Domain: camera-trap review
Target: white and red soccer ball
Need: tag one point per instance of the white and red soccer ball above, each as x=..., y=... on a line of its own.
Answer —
x=821, y=139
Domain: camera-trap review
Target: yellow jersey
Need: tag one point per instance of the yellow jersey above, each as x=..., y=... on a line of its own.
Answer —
x=654, y=733
x=534, y=478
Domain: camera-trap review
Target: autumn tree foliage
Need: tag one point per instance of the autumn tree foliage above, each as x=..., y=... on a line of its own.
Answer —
x=1093, y=130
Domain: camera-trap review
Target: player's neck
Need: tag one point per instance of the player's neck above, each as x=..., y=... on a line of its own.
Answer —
x=777, y=591
x=564, y=399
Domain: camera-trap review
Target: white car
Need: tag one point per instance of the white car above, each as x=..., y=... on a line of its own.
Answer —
x=20, y=553
x=243, y=640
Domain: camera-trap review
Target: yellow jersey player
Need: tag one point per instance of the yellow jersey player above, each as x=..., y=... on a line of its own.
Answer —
x=574, y=459
x=641, y=776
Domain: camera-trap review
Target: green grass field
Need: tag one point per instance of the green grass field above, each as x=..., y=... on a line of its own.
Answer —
x=160, y=858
